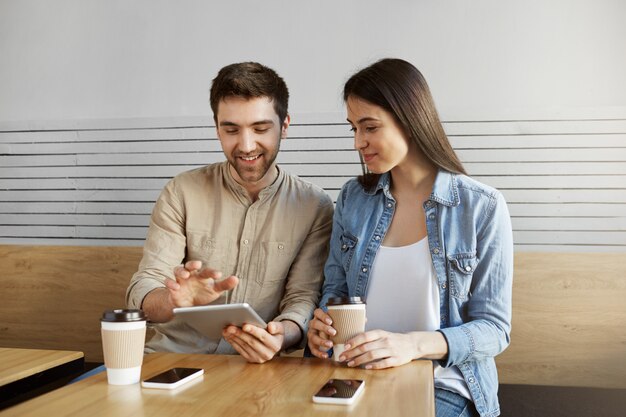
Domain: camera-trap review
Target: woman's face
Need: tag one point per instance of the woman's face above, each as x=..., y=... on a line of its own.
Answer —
x=379, y=139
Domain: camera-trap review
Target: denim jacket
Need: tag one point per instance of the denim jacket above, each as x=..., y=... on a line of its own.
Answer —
x=471, y=245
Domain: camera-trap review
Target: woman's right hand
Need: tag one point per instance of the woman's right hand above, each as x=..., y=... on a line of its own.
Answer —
x=320, y=330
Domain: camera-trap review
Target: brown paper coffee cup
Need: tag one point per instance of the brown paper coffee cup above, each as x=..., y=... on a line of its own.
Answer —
x=123, y=336
x=348, y=315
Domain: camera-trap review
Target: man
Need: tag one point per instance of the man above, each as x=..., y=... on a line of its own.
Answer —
x=245, y=219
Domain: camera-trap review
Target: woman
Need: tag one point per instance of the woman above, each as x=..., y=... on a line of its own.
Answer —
x=429, y=248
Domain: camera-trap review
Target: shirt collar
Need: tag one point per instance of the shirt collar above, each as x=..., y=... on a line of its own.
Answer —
x=237, y=188
x=445, y=189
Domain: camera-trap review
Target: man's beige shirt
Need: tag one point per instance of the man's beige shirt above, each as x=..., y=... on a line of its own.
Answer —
x=277, y=246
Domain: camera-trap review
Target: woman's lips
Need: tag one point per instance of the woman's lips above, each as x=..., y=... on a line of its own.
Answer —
x=368, y=157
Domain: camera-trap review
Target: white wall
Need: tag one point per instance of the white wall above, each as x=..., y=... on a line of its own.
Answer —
x=94, y=59
x=101, y=102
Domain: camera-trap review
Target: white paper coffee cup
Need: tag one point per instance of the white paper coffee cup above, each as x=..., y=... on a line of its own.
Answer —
x=123, y=337
x=348, y=315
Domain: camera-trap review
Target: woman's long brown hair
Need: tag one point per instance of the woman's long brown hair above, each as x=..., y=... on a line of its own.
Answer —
x=399, y=88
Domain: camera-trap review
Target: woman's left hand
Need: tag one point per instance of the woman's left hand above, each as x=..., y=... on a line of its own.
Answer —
x=379, y=349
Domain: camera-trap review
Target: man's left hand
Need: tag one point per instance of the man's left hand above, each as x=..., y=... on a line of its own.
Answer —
x=255, y=344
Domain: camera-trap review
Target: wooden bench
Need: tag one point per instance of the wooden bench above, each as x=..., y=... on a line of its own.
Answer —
x=53, y=296
x=569, y=313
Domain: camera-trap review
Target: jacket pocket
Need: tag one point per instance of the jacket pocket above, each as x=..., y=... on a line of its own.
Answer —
x=461, y=268
x=348, y=246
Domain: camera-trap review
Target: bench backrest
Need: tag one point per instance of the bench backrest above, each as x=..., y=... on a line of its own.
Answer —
x=569, y=314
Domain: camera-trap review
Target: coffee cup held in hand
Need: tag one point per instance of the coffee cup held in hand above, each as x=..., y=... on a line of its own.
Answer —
x=348, y=315
x=123, y=337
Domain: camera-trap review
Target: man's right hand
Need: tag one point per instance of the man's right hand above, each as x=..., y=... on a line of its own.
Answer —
x=195, y=285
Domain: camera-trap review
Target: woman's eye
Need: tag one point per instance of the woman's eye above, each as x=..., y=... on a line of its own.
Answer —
x=371, y=128
x=353, y=129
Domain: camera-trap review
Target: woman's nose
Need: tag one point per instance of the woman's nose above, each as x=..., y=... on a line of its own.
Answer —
x=359, y=142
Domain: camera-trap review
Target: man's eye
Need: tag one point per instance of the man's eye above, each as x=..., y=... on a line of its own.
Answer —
x=263, y=130
x=231, y=131
x=353, y=129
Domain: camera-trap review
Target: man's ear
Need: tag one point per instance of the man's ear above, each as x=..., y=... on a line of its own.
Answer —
x=285, y=127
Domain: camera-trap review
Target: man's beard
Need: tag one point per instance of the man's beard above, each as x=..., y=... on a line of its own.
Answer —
x=253, y=174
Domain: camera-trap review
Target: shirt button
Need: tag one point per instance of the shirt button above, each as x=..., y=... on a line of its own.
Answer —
x=377, y=238
x=468, y=268
x=443, y=285
x=389, y=205
x=431, y=216
x=281, y=246
x=245, y=241
x=344, y=246
x=443, y=318
x=364, y=269
x=436, y=251
x=471, y=380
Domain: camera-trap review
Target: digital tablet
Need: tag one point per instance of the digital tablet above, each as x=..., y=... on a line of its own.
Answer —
x=210, y=320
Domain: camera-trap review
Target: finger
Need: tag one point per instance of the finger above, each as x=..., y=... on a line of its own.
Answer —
x=193, y=265
x=315, y=351
x=322, y=342
x=382, y=364
x=226, y=284
x=241, y=348
x=209, y=273
x=362, y=338
x=181, y=273
x=319, y=346
x=171, y=284
x=261, y=340
x=368, y=356
x=320, y=326
x=322, y=316
x=262, y=350
x=275, y=328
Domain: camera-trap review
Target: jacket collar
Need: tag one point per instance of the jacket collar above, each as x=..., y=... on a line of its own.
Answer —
x=445, y=189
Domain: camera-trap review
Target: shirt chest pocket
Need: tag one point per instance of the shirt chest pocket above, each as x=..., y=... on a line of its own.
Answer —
x=347, y=248
x=275, y=259
x=461, y=268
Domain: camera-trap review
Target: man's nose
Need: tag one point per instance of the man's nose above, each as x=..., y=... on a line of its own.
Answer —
x=247, y=143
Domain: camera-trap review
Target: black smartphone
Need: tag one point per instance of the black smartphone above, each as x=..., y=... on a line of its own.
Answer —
x=339, y=391
x=172, y=378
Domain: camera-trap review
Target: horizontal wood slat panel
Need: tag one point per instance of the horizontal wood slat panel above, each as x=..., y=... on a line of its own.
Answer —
x=564, y=179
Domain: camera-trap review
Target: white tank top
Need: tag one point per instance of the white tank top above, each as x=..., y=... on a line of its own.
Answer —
x=403, y=296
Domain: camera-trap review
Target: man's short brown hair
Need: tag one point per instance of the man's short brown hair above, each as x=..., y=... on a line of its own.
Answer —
x=250, y=80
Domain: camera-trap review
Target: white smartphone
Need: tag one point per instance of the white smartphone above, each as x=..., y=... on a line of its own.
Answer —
x=339, y=391
x=172, y=378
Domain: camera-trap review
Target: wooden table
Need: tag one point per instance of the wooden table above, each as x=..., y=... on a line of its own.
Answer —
x=17, y=364
x=25, y=373
x=233, y=387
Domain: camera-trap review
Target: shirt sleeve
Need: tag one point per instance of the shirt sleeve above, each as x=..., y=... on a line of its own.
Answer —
x=487, y=332
x=305, y=277
x=335, y=284
x=163, y=249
